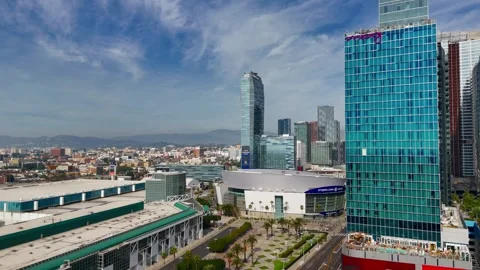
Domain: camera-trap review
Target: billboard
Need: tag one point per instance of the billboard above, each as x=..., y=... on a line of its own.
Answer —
x=246, y=157
x=327, y=190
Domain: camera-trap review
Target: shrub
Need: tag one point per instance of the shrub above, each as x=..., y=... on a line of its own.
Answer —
x=207, y=220
x=302, y=242
x=203, y=201
x=219, y=264
x=222, y=244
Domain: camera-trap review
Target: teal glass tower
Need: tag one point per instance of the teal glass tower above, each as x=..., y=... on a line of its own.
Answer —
x=253, y=117
x=392, y=132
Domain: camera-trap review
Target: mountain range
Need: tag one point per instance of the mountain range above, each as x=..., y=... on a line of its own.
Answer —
x=214, y=137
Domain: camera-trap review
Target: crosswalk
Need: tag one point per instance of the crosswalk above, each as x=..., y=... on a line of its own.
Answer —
x=339, y=234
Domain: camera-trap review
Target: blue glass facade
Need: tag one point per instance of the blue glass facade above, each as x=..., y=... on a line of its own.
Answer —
x=253, y=103
x=392, y=136
x=284, y=126
x=276, y=152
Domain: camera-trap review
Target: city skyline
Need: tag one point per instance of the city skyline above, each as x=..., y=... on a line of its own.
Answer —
x=114, y=68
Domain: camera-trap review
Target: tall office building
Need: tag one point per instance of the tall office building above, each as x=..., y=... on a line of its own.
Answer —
x=322, y=153
x=401, y=12
x=463, y=51
x=253, y=118
x=303, y=134
x=276, y=152
x=326, y=125
x=393, y=149
x=476, y=115
x=301, y=155
x=284, y=126
x=469, y=52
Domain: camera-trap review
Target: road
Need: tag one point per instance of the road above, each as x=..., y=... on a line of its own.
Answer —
x=322, y=257
x=201, y=250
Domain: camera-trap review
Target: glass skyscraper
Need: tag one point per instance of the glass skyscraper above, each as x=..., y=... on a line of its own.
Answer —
x=253, y=118
x=276, y=152
x=303, y=134
x=401, y=12
x=284, y=126
x=392, y=132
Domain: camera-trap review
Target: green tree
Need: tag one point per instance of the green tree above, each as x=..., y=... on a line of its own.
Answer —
x=237, y=262
x=252, y=240
x=282, y=222
x=164, y=257
x=173, y=250
x=230, y=255
x=266, y=226
x=455, y=197
x=196, y=260
x=245, y=243
x=237, y=248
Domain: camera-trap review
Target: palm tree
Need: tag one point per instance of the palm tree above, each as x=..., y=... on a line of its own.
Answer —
x=297, y=224
x=237, y=262
x=266, y=226
x=164, y=257
x=196, y=259
x=229, y=257
x=237, y=248
x=173, y=250
x=281, y=222
x=252, y=240
x=245, y=242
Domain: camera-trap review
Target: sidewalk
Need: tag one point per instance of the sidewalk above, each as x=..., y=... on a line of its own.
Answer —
x=195, y=244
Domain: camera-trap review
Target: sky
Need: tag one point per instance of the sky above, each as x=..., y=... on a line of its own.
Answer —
x=109, y=68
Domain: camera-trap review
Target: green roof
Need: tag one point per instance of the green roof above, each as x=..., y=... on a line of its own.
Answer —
x=55, y=263
x=206, y=208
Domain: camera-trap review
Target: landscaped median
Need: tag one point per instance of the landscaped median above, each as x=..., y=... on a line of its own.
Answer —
x=303, y=246
x=221, y=244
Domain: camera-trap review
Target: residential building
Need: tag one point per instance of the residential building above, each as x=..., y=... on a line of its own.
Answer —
x=304, y=134
x=314, y=131
x=163, y=185
x=253, y=103
x=57, y=152
x=444, y=125
x=322, y=153
x=402, y=12
x=198, y=152
x=284, y=126
x=276, y=152
x=301, y=154
x=393, y=148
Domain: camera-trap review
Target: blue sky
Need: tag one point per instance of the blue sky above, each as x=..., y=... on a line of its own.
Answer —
x=107, y=68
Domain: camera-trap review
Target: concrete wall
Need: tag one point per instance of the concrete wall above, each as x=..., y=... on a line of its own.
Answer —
x=294, y=200
x=13, y=217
